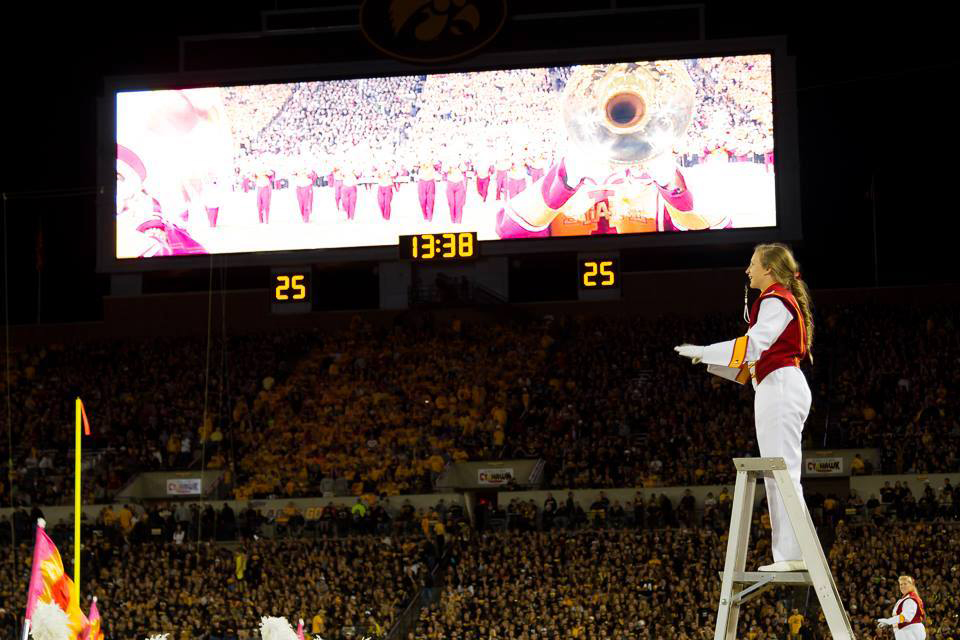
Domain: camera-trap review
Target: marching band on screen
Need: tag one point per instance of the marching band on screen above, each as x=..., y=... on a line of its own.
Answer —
x=634, y=147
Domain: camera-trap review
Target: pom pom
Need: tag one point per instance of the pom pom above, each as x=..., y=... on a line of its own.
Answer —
x=276, y=629
x=159, y=636
x=50, y=622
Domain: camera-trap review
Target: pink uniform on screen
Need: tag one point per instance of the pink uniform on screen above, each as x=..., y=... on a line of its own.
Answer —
x=500, y=179
x=426, y=190
x=385, y=189
x=456, y=193
x=304, y=187
x=483, y=181
x=264, y=195
x=348, y=193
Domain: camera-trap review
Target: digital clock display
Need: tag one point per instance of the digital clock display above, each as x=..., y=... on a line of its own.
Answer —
x=436, y=247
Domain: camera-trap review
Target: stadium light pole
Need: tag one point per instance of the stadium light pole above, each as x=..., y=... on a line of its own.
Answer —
x=873, y=209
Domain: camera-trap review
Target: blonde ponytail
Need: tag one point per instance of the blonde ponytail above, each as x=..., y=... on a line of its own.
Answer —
x=800, y=291
x=786, y=270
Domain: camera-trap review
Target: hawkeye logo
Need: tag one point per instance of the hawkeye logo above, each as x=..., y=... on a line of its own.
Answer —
x=429, y=31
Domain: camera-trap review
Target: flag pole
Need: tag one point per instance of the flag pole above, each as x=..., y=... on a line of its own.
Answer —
x=77, y=502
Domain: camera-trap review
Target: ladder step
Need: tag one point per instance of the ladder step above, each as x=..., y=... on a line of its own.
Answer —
x=759, y=464
x=778, y=577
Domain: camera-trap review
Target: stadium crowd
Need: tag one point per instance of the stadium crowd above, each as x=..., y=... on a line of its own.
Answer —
x=623, y=583
x=516, y=113
x=335, y=119
x=146, y=401
x=651, y=574
x=735, y=111
x=367, y=411
x=339, y=586
x=513, y=117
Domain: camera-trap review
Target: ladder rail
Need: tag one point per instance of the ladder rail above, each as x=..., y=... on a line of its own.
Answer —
x=738, y=538
x=817, y=566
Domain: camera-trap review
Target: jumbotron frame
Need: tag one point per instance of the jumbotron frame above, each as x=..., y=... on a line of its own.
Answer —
x=787, y=229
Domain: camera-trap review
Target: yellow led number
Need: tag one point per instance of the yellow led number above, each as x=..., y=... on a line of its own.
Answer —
x=290, y=287
x=599, y=273
x=445, y=245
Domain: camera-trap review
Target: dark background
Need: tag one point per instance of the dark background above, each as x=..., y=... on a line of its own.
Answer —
x=873, y=101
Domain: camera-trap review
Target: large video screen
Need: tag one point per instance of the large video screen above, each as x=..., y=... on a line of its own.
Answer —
x=661, y=146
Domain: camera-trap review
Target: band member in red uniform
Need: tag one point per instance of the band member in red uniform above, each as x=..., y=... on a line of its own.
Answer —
x=303, y=180
x=142, y=228
x=536, y=168
x=180, y=138
x=426, y=189
x=336, y=181
x=908, y=614
x=779, y=337
x=211, y=199
x=500, y=177
x=348, y=191
x=264, y=194
x=456, y=192
x=569, y=202
x=483, y=180
x=385, y=188
x=516, y=180
x=718, y=154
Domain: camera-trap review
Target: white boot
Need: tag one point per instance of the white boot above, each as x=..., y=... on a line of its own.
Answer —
x=785, y=565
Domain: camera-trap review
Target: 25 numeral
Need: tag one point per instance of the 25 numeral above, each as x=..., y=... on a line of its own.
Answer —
x=598, y=268
x=290, y=283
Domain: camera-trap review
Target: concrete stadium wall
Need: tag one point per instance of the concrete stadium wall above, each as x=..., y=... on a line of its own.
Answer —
x=863, y=485
x=308, y=506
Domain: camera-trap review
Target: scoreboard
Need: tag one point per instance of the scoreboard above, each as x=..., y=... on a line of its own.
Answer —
x=554, y=151
x=589, y=156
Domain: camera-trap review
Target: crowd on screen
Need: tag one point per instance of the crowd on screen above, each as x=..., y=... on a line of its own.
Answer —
x=735, y=115
x=530, y=572
x=384, y=411
x=317, y=120
x=251, y=109
x=512, y=119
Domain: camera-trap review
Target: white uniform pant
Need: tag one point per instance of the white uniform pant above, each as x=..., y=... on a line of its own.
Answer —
x=913, y=632
x=781, y=406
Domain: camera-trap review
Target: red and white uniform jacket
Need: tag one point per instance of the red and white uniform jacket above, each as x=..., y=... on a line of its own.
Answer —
x=907, y=611
x=777, y=338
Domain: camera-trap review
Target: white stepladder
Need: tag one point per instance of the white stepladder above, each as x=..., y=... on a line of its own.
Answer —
x=750, y=584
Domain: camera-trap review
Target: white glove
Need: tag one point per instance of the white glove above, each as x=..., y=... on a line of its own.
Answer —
x=579, y=165
x=882, y=622
x=663, y=170
x=693, y=352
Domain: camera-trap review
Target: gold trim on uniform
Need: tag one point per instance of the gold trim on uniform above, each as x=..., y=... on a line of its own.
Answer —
x=739, y=352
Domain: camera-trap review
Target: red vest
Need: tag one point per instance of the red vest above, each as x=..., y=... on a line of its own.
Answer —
x=791, y=347
x=918, y=616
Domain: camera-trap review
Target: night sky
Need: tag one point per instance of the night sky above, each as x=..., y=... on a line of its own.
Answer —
x=873, y=103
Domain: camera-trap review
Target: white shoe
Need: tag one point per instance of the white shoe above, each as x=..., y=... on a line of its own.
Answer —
x=785, y=565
